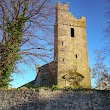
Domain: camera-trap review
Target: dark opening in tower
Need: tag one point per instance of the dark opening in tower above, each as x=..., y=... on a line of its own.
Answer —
x=72, y=32
x=76, y=56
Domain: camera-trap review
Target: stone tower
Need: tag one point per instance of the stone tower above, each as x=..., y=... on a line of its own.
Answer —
x=70, y=46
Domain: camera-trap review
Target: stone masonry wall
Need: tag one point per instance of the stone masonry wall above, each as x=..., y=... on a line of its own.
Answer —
x=71, y=50
x=54, y=100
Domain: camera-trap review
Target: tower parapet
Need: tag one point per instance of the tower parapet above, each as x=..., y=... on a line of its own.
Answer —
x=62, y=7
x=64, y=17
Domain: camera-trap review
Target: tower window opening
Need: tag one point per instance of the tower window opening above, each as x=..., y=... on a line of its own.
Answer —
x=62, y=43
x=72, y=32
x=63, y=59
x=76, y=56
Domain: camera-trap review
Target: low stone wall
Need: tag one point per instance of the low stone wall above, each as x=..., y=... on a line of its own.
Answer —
x=54, y=100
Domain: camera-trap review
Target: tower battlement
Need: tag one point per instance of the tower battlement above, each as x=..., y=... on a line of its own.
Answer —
x=60, y=6
x=64, y=17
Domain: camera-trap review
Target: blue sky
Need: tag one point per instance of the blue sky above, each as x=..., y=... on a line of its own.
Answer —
x=94, y=11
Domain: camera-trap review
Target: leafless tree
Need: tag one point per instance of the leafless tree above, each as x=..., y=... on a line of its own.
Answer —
x=26, y=33
x=100, y=73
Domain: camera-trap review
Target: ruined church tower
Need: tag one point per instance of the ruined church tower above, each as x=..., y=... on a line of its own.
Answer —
x=70, y=46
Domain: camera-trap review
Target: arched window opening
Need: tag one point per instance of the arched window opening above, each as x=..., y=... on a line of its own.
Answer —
x=72, y=32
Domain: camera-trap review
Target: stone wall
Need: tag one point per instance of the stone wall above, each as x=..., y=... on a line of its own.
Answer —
x=54, y=100
x=46, y=75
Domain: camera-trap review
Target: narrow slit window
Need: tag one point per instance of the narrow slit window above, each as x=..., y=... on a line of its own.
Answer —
x=62, y=43
x=76, y=56
x=63, y=59
x=72, y=32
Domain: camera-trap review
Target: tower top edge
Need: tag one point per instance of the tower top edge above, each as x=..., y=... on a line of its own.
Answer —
x=62, y=6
